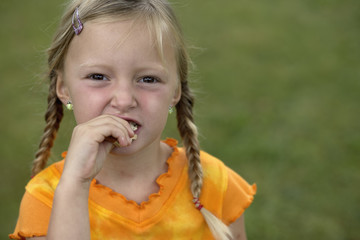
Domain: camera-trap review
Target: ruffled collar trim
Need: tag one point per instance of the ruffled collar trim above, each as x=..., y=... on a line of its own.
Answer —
x=162, y=181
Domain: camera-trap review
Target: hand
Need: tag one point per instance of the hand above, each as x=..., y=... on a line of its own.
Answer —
x=90, y=145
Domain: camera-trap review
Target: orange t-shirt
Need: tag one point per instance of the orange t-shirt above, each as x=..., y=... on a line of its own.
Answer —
x=168, y=214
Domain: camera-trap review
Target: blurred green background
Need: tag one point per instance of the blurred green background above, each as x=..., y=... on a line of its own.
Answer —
x=278, y=85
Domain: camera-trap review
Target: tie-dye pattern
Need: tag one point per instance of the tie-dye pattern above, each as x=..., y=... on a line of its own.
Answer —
x=168, y=214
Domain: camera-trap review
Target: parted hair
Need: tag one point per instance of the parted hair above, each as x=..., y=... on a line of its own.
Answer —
x=161, y=22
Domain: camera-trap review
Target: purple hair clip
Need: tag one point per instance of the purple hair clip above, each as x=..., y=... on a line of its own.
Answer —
x=79, y=26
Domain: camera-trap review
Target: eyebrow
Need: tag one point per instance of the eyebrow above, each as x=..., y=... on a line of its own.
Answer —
x=93, y=64
x=146, y=66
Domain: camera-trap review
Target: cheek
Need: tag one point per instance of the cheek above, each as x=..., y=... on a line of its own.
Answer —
x=155, y=109
x=87, y=105
x=155, y=102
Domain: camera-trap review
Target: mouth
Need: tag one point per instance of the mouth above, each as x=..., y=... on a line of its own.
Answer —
x=133, y=125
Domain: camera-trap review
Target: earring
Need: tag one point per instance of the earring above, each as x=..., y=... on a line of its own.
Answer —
x=69, y=106
x=171, y=109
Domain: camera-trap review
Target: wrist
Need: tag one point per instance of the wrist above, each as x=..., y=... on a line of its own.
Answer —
x=72, y=185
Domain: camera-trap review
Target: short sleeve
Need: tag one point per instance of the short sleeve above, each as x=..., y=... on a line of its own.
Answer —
x=35, y=207
x=238, y=196
x=33, y=218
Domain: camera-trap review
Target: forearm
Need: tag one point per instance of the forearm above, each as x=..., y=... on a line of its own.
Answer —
x=70, y=214
x=238, y=229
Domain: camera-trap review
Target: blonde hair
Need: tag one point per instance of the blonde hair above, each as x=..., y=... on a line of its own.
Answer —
x=161, y=20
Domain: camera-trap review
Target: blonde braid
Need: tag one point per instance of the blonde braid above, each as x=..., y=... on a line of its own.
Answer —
x=189, y=134
x=53, y=118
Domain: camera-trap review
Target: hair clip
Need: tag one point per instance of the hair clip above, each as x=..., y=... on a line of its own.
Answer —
x=79, y=26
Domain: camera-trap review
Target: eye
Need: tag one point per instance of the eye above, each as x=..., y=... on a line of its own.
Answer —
x=149, y=79
x=98, y=77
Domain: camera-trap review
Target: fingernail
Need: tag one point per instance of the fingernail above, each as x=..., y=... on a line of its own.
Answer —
x=123, y=141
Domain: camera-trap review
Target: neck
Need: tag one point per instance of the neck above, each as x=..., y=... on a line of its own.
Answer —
x=145, y=165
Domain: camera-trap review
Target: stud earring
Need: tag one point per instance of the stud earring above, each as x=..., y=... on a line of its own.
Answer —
x=171, y=109
x=69, y=106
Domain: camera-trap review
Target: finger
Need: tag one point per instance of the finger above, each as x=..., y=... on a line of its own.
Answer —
x=107, y=126
x=121, y=123
x=113, y=133
x=125, y=124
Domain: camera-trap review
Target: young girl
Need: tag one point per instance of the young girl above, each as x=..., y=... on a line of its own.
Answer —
x=122, y=66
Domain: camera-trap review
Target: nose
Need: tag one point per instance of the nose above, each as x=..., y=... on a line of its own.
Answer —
x=123, y=96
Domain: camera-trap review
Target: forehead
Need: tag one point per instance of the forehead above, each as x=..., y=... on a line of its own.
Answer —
x=123, y=38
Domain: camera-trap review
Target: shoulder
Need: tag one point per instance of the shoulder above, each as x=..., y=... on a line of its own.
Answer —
x=215, y=170
x=42, y=186
x=35, y=207
x=215, y=174
x=224, y=188
x=209, y=160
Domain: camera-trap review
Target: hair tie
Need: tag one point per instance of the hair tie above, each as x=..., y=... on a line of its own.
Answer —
x=79, y=26
x=197, y=203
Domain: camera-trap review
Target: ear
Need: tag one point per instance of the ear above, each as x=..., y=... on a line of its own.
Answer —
x=62, y=91
x=177, y=95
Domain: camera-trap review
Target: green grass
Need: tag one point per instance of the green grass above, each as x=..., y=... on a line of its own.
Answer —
x=278, y=85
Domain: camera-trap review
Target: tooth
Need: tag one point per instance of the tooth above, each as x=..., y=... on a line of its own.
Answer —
x=133, y=126
x=134, y=137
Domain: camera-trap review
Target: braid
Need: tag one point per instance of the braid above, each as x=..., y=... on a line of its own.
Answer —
x=189, y=134
x=164, y=22
x=53, y=118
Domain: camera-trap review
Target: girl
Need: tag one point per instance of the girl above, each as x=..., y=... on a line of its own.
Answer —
x=121, y=66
